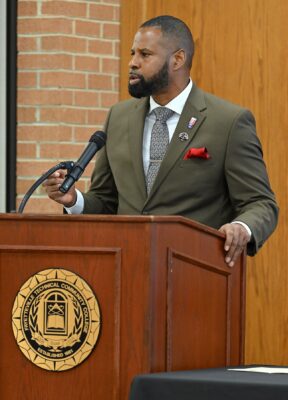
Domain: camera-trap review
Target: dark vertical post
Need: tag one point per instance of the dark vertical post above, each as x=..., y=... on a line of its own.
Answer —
x=11, y=103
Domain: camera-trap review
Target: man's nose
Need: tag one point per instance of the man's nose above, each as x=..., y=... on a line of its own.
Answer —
x=134, y=62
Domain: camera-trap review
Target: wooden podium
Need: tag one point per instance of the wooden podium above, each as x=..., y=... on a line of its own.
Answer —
x=168, y=301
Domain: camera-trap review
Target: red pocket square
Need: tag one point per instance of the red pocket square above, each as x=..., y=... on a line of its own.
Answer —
x=200, y=152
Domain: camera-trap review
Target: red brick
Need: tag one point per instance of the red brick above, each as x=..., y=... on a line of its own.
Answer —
x=26, y=79
x=83, y=133
x=111, y=31
x=110, y=65
x=88, y=171
x=97, y=117
x=54, y=120
x=62, y=43
x=83, y=184
x=47, y=132
x=67, y=8
x=87, y=63
x=51, y=97
x=116, y=49
x=112, y=1
x=100, y=46
x=108, y=99
x=86, y=28
x=23, y=185
x=33, y=168
x=26, y=150
x=44, y=25
x=27, y=8
x=116, y=14
x=62, y=80
x=116, y=83
x=26, y=43
x=68, y=115
x=61, y=151
x=44, y=61
x=86, y=99
x=102, y=12
x=99, y=82
x=41, y=205
x=26, y=114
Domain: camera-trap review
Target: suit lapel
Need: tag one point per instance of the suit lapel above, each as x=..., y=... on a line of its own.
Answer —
x=136, y=129
x=194, y=107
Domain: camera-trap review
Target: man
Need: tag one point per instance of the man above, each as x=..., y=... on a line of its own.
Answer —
x=211, y=170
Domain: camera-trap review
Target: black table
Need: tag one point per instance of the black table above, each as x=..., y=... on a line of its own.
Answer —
x=210, y=384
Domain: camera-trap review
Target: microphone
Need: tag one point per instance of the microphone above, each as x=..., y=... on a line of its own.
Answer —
x=96, y=142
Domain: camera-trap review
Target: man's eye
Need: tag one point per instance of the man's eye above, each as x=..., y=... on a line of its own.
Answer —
x=145, y=55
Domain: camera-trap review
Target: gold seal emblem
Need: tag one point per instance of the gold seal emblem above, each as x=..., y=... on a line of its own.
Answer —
x=56, y=319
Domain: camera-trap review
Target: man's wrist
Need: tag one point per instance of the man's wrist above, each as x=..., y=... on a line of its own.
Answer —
x=73, y=202
x=78, y=206
x=245, y=226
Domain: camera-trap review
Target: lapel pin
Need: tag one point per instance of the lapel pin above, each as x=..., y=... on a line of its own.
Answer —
x=183, y=136
x=192, y=122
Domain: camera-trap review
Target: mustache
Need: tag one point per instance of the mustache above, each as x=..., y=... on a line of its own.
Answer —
x=133, y=74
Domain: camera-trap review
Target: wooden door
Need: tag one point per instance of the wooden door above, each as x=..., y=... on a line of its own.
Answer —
x=241, y=55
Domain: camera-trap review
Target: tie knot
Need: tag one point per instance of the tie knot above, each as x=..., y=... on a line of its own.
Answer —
x=163, y=113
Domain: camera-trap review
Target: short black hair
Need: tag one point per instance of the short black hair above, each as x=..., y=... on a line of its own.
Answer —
x=176, y=29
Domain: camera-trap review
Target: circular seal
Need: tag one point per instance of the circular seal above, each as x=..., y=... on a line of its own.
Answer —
x=56, y=319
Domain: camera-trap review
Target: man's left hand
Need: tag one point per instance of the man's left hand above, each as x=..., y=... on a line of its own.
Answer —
x=237, y=238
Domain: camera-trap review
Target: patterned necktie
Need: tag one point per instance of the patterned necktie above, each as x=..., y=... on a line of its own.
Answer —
x=158, y=145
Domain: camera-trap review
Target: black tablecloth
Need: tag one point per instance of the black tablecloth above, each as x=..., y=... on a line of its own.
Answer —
x=210, y=384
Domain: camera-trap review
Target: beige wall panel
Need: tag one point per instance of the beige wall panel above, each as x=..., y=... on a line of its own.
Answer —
x=242, y=55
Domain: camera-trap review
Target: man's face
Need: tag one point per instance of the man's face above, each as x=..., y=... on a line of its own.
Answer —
x=149, y=65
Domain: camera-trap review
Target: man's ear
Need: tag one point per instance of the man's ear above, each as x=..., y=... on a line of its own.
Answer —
x=179, y=58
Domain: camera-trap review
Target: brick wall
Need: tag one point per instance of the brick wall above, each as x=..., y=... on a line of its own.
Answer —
x=68, y=77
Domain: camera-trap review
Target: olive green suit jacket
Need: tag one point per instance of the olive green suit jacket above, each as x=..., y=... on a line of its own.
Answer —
x=231, y=185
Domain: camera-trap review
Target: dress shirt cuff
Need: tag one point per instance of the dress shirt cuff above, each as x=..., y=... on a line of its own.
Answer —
x=78, y=206
x=245, y=226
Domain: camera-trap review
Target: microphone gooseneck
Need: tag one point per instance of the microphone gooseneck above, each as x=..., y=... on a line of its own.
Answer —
x=62, y=165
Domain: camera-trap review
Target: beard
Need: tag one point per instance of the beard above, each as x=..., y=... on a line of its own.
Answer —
x=148, y=87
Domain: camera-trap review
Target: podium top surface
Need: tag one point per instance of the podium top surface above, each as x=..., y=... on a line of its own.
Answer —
x=115, y=219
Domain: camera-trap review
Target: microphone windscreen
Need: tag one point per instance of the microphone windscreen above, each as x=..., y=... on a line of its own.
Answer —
x=99, y=138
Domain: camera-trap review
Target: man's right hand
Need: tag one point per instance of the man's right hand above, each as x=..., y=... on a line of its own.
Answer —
x=52, y=185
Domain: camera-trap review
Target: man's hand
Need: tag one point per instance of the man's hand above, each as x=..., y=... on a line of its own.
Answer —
x=237, y=238
x=52, y=185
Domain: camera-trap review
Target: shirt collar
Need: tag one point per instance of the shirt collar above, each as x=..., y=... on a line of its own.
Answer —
x=176, y=104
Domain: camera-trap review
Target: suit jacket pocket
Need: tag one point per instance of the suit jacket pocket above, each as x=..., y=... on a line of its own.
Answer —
x=197, y=163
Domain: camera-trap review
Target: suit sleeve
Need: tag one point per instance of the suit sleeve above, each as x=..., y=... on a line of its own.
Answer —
x=248, y=184
x=102, y=196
